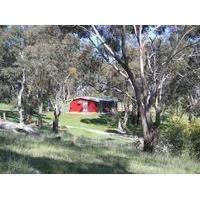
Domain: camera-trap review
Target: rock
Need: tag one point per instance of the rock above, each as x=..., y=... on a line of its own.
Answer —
x=15, y=127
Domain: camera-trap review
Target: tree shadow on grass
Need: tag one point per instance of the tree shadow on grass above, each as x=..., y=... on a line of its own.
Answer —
x=111, y=123
x=47, y=165
x=10, y=115
x=104, y=119
x=109, y=164
x=14, y=115
x=113, y=131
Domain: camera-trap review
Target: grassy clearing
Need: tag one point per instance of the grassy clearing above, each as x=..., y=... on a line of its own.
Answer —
x=26, y=154
x=94, y=121
x=81, y=151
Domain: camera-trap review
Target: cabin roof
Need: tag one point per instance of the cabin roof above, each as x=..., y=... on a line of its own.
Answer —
x=96, y=99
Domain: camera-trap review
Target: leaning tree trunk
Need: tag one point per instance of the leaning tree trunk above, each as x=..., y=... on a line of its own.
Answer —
x=19, y=97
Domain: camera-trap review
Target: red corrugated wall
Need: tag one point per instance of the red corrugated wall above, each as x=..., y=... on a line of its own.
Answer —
x=92, y=106
x=77, y=106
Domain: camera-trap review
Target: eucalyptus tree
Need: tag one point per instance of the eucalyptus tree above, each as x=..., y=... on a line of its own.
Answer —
x=156, y=49
x=12, y=73
x=38, y=61
x=7, y=70
x=52, y=60
x=184, y=88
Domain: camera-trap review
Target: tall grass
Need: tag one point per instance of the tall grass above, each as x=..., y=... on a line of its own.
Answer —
x=22, y=154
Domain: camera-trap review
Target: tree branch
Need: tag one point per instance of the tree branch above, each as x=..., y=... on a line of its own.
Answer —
x=124, y=52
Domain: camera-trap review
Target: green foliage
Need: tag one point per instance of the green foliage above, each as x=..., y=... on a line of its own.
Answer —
x=195, y=145
x=182, y=135
x=177, y=134
x=195, y=138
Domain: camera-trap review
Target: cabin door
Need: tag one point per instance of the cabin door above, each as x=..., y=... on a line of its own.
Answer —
x=85, y=106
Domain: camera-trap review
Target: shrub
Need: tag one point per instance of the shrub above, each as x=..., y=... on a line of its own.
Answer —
x=195, y=138
x=177, y=134
x=181, y=135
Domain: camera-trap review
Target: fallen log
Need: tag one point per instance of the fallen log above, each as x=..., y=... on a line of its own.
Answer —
x=17, y=127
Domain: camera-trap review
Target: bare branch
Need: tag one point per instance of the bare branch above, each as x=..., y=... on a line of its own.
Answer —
x=124, y=52
x=103, y=42
x=135, y=29
x=111, y=64
x=129, y=73
x=174, y=50
x=192, y=44
x=136, y=33
x=115, y=88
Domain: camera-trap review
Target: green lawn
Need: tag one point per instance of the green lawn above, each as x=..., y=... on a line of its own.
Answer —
x=81, y=151
x=93, y=121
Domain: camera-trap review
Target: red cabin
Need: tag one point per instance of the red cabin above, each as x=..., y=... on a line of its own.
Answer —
x=91, y=104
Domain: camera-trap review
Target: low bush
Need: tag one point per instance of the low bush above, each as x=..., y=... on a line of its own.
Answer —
x=195, y=138
x=183, y=135
x=176, y=134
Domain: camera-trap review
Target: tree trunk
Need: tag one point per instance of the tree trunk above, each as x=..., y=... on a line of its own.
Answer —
x=148, y=131
x=28, y=113
x=55, y=124
x=158, y=115
x=19, y=98
x=190, y=98
x=149, y=141
x=158, y=99
x=148, y=117
x=122, y=122
x=138, y=117
x=4, y=116
x=158, y=112
x=67, y=98
x=63, y=92
x=40, y=123
x=120, y=129
x=125, y=119
x=57, y=113
x=57, y=110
